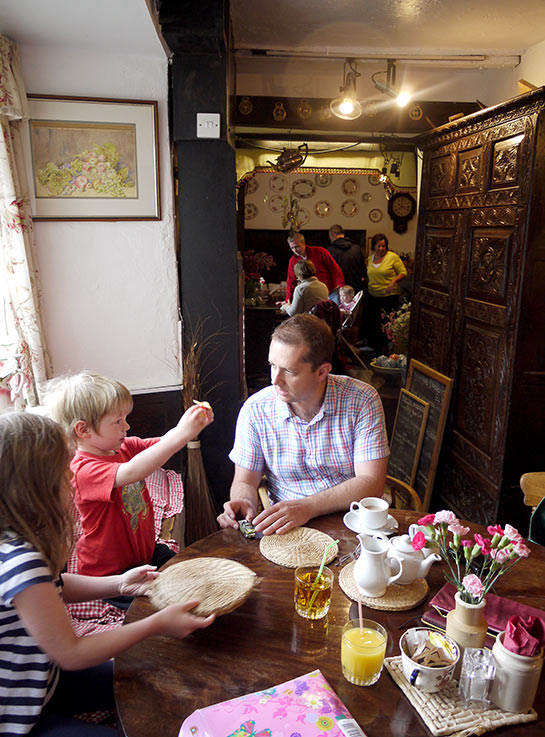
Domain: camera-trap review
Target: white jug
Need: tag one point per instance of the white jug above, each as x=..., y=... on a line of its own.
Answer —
x=373, y=569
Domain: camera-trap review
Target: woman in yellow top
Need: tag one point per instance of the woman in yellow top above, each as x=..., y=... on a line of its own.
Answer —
x=384, y=272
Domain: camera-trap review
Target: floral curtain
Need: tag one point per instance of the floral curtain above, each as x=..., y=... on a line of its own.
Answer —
x=24, y=363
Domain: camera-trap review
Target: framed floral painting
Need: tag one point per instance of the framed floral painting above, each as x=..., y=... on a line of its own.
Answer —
x=92, y=159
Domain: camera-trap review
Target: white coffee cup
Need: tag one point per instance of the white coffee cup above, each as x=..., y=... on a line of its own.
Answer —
x=372, y=512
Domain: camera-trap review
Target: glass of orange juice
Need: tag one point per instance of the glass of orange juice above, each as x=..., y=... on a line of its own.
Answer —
x=362, y=651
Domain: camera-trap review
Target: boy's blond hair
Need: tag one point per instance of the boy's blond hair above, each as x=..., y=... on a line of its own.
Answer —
x=85, y=396
x=348, y=291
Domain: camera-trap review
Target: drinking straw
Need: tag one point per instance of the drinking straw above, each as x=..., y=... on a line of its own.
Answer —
x=360, y=614
x=317, y=579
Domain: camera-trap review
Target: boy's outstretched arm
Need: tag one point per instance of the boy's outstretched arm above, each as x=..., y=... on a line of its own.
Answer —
x=147, y=461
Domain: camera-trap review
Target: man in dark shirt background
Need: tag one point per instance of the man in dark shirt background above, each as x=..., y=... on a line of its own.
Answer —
x=349, y=256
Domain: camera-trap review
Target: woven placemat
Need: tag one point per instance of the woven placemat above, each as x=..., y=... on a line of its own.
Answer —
x=218, y=584
x=396, y=598
x=444, y=712
x=300, y=547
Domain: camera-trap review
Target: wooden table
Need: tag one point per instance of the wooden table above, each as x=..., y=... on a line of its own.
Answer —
x=159, y=682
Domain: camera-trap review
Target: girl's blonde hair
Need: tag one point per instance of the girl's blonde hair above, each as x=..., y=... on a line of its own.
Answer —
x=34, y=485
x=85, y=396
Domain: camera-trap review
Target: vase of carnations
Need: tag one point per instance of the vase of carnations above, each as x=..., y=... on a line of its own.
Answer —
x=466, y=625
x=253, y=264
x=473, y=565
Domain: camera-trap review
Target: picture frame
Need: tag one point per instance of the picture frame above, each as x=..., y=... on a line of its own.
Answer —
x=435, y=388
x=92, y=158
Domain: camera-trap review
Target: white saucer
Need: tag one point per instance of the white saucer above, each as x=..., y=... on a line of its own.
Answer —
x=350, y=520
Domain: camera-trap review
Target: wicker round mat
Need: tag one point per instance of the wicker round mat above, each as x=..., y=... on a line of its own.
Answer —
x=396, y=598
x=300, y=547
x=218, y=584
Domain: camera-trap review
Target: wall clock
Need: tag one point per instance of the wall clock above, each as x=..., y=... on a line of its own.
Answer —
x=401, y=208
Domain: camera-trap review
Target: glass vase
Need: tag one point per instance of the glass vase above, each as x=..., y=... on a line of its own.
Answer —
x=467, y=626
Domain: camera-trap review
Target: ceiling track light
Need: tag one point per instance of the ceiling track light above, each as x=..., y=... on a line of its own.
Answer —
x=346, y=106
x=388, y=87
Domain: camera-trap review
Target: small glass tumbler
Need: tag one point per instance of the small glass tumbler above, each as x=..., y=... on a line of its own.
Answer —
x=362, y=651
x=476, y=677
x=312, y=598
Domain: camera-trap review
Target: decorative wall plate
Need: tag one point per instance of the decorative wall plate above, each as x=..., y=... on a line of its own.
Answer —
x=366, y=197
x=374, y=179
x=349, y=186
x=252, y=185
x=322, y=208
x=322, y=179
x=303, y=216
x=277, y=183
x=349, y=208
x=375, y=215
x=304, y=109
x=276, y=203
x=250, y=211
x=303, y=188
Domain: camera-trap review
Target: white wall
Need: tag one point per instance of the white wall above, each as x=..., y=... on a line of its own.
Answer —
x=110, y=290
x=532, y=66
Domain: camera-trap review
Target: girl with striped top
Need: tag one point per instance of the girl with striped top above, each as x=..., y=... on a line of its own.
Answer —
x=47, y=673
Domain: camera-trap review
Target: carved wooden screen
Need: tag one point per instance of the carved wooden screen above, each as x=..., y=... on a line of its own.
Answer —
x=476, y=191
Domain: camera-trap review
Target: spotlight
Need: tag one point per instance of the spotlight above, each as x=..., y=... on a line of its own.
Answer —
x=388, y=88
x=346, y=105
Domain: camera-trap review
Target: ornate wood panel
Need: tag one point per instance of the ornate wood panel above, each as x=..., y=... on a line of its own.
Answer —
x=478, y=229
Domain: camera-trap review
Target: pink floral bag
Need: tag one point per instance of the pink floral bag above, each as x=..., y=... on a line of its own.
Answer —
x=303, y=707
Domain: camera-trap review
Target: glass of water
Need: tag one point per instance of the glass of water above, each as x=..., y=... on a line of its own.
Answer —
x=476, y=677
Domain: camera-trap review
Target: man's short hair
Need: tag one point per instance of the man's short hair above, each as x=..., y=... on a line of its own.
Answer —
x=295, y=237
x=85, y=396
x=336, y=230
x=310, y=331
x=304, y=269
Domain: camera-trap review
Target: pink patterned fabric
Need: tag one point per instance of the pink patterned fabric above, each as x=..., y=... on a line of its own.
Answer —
x=167, y=496
x=306, y=706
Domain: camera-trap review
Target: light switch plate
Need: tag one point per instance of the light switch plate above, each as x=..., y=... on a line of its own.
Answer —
x=208, y=125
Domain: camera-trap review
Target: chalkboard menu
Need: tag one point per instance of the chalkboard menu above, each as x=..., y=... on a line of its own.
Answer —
x=407, y=436
x=435, y=388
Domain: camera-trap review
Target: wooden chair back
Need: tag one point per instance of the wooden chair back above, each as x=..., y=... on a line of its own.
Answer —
x=402, y=495
x=533, y=486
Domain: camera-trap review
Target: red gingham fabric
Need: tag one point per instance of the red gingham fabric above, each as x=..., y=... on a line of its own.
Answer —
x=167, y=495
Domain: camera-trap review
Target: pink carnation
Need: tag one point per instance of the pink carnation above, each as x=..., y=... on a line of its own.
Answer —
x=419, y=541
x=483, y=543
x=501, y=556
x=446, y=516
x=513, y=534
x=473, y=584
x=428, y=519
x=458, y=529
x=467, y=543
x=522, y=550
x=494, y=530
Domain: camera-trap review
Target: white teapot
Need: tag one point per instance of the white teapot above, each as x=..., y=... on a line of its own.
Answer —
x=416, y=563
x=373, y=569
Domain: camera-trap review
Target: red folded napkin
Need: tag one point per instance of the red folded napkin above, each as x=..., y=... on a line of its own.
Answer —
x=524, y=636
x=497, y=611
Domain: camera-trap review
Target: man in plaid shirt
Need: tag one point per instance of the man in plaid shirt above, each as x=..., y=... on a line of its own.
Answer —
x=320, y=439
